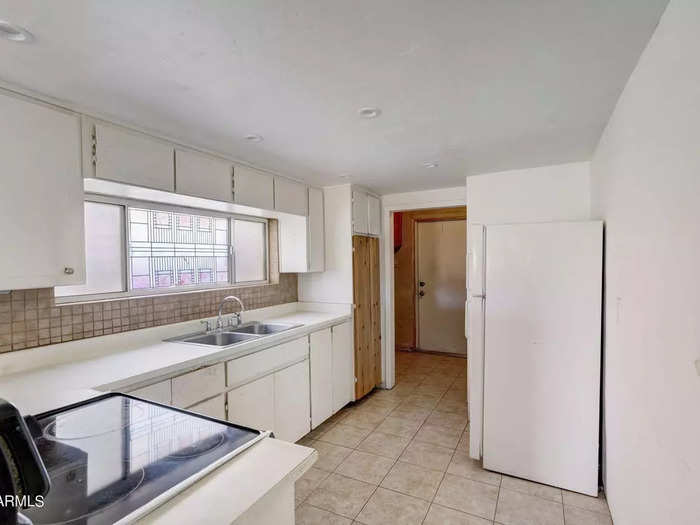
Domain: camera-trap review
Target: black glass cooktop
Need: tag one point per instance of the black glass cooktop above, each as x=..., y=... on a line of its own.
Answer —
x=109, y=456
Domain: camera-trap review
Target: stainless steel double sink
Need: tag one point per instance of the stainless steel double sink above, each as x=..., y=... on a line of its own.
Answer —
x=234, y=335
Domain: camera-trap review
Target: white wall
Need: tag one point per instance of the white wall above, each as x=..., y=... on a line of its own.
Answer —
x=549, y=193
x=545, y=194
x=646, y=186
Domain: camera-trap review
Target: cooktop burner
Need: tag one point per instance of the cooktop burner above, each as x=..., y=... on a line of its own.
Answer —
x=110, y=456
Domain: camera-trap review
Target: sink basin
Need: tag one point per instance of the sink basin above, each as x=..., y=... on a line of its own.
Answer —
x=234, y=335
x=262, y=328
x=218, y=339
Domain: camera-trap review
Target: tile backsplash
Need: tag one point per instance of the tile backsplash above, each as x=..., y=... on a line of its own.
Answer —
x=30, y=318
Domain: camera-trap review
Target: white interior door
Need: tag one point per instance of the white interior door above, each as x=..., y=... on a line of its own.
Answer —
x=542, y=352
x=440, y=268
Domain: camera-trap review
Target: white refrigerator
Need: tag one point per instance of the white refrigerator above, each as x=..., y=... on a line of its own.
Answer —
x=534, y=347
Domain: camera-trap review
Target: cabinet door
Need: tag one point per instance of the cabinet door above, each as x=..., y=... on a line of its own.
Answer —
x=41, y=196
x=360, y=212
x=316, y=238
x=375, y=215
x=253, y=188
x=321, y=369
x=158, y=392
x=292, y=407
x=343, y=365
x=130, y=157
x=253, y=405
x=291, y=197
x=203, y=176
x=191, y=388
x=214, y=407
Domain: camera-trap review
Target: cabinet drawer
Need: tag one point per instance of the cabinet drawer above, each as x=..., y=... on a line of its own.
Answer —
x=244, y=369
x=158, y=392
x=190, y=388
x=214, y=407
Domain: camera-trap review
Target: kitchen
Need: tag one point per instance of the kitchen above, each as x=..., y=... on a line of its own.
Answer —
x=200, y=315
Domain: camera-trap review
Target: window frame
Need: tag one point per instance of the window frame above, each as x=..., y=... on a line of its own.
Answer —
x=128, y=292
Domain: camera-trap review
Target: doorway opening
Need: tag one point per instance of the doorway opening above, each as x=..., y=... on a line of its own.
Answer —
x=430, y=280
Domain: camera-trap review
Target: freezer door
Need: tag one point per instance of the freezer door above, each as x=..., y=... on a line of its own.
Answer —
x=542, y=352
x=474, y=331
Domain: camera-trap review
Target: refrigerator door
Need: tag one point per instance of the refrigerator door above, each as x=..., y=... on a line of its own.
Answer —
x=474, y=331
x=542, y=352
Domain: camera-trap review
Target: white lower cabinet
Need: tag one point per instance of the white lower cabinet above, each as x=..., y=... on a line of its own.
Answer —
x=321, y=365
x=253, y=405
x=214, y=407
x=157, y=392
x=343, y=365
x=291, y=405
x=191, y=388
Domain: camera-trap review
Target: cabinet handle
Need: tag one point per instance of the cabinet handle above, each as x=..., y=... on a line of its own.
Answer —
x=68, y=270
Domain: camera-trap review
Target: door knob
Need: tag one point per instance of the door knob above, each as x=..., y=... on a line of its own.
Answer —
x=421, y=283
x=421, y=293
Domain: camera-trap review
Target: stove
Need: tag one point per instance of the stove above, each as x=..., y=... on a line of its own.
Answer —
x=114, y=458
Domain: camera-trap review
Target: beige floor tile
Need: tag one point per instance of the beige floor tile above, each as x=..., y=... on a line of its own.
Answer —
x=308, y=515
x=448, y=420
x=398, y=426
x=413, y=480
x=439, y=515
x=329, y=455
x=386, y=507
x=532, y=488
x=577, y=516
x=463, y=465
x=386, y=445
x=366, y=419
x=582, y=501
x=468, y=496
x=427, y=455
x=345, y=435
x=341, y=495
x=516, y=508
x=365, y=467
x=463, y=445
x=439, y=379
x=431, y=389
x=441, y=436
x=429, y=401
x=309, y=482
x=452, y=406
x=306, y=441
x=322, y=428
x=455, y=395
x=411, y=412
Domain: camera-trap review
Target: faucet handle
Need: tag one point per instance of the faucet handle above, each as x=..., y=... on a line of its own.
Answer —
x=207, y=325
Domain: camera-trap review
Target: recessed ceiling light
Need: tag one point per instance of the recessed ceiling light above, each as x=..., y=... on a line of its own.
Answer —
x=344, y=175
x=432, y=164
x=370, y=112
x=14, y=32
x=254, y=138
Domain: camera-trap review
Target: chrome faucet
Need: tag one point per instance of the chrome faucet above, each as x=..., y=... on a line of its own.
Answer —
x=220, y=319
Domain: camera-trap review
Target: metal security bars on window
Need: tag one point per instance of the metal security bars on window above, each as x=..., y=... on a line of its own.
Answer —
x=169, y=249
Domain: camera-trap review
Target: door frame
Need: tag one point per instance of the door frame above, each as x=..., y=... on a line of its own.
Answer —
x=448, y=215
x=442, y=198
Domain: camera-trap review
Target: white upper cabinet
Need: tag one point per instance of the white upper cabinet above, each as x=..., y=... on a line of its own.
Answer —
x=203, y=176
x=360, y=212
x=316, y=231
x=375, y=215
x=41, y=196
x=291, y=196
x=253, y=188
x=130, y=157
